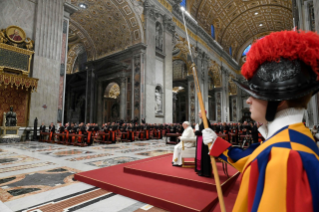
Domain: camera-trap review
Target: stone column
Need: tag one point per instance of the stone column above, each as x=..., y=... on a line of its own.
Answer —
x=169, y=30
x=205, y=79
x=69, y=9
x=192, y=97
x=239, y=104
x=47, y=60
x=225, y=96
x=123, y=98
x=90, y=88
x=100, y=102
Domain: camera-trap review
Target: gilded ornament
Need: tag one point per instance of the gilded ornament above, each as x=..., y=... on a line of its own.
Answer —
x=15, y=34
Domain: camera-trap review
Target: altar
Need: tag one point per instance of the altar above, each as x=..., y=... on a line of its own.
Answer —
x=16, y=85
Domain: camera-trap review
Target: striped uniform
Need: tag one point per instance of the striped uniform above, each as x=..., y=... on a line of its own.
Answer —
x=281, y=174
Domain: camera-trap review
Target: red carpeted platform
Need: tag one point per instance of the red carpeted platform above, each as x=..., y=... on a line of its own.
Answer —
x=155, y=181
x=157, y=170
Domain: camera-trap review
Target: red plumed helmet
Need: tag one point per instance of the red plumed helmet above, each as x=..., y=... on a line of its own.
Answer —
x=292, y=45
x=282, y=66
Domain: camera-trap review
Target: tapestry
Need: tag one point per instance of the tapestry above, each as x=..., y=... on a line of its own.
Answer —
x=18, y=98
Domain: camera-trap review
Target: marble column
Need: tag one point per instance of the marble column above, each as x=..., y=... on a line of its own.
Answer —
x=158, y=63
x=169, y=30
x=69, y=9
x=47, y=60
x=225, y=96
x=205, y=79
x=90, y=95
x=192, y=110
x=123, y=98
x=239, y=104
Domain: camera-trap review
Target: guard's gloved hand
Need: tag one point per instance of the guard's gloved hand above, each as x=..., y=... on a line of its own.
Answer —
x=209, y=136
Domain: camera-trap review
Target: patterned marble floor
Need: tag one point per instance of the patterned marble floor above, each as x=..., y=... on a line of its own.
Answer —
x=39, y=177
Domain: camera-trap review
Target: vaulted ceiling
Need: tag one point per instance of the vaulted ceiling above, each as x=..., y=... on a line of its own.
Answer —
x=105, y=26
x=238, y=21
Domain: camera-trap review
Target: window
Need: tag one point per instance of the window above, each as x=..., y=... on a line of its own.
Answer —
x=246, y=50
x=212, y=30
x=183, y=3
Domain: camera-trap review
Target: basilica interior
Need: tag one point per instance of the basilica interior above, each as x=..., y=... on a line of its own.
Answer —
x=120, y=61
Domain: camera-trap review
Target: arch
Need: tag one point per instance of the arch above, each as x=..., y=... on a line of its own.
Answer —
x=113, y=25
x=112, y=91
x=73, y=53
x=243, y=13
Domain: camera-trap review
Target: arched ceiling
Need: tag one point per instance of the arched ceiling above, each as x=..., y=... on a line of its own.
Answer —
x=112, y=25
x=237, y=21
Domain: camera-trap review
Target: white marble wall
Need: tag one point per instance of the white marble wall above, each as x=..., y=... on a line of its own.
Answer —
x=158, y=70
x=46, y=66
x=168, y=76
x=20, y=13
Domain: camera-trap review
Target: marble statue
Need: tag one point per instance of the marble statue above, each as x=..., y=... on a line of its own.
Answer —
x=159, y=37
x=11, y=118
x=158, y=101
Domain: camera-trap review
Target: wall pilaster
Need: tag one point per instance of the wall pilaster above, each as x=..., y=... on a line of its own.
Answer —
x=47, y=60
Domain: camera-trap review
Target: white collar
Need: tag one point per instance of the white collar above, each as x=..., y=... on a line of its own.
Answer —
x=283, y=118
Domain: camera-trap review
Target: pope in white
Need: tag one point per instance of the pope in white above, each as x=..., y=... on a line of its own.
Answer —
x=188, y=137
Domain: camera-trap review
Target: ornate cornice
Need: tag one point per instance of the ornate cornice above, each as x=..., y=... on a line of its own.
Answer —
x=202, y=37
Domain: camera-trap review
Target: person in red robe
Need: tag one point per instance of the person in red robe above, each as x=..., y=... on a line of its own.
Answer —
x=15, y=36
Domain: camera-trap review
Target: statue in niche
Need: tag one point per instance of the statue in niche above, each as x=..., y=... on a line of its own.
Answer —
x=159, y=37
x=11, y=118
x=158, y=101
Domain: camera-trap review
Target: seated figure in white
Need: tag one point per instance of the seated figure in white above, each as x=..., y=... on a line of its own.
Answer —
x=188, y=137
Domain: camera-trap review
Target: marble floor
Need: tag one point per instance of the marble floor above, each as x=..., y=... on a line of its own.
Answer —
x=38, y=177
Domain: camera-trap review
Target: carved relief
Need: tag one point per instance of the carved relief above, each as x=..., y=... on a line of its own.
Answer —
x=232, y=87
x=112, y=91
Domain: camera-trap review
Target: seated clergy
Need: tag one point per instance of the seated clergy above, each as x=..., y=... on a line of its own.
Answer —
x=188, y=138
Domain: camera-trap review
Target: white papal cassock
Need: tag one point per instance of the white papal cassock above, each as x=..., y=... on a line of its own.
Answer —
x=188, y=137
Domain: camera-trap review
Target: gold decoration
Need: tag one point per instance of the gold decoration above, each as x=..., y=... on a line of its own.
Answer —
x=232, y=87
x=240, y=20
x=20, y=51
x=29, y=44
x=3, y=38
x=167, y=5
x=15, y=34
x=201, y=41
x=112, y=91
x=214, y=72
x=18, y=80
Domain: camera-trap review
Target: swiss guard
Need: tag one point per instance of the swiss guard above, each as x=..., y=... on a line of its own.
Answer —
x=282, y=173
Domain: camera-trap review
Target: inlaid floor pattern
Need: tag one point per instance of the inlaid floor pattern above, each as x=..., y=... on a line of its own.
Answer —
x=38, y=176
